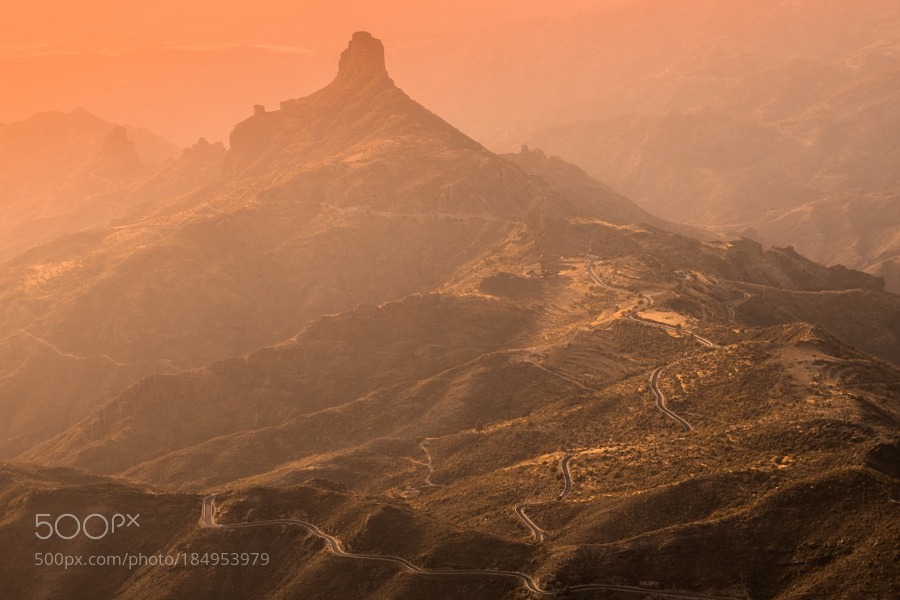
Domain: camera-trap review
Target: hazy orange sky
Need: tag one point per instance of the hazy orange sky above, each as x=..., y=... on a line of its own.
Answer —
x=96, y=22
x=186, y=68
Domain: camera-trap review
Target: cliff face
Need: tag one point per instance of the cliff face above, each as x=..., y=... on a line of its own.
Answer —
x=363, y=59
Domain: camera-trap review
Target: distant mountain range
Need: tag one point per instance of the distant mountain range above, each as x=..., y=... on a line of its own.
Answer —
x=774, y=120
x=406, y=367
x=820, y=177
x=60, y=173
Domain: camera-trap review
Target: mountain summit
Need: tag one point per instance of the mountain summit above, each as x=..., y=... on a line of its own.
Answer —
x=363, y=58
x=370, y=144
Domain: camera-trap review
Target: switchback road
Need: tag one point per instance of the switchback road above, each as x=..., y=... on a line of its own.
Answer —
x=733, y=304
x=208, y=519
x=429, y=464
x=567, y=477
x=703, y=341
x=536, y=532
x=661, y=399
x=645, y=299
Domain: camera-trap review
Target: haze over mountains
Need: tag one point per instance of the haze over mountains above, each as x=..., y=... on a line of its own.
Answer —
x=685, y=107
x=60, y=173
x=773, y=119
x=360, y=319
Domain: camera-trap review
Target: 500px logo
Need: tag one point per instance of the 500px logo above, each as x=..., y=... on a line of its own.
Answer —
x=94, y=526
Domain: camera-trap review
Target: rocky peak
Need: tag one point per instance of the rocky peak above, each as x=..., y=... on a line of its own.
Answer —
x=363, y=59
x=117, y=159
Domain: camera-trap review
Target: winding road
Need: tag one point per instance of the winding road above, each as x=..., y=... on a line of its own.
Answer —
x=733, y=304
x=654, y=378
x=661, y=399
x=644, y=297
x=703, y=341
x=334, y=546
x=567, y=477
x=536, y=532
x=208, y=519
x=429, y=464
x=647, y=300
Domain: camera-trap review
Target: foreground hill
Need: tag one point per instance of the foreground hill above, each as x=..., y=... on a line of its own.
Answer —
x=26, y=491
x=434, y=418
x=342, y=428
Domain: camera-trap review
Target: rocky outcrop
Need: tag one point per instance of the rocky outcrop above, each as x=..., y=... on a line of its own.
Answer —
x=117, y=160
x=363, y=58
